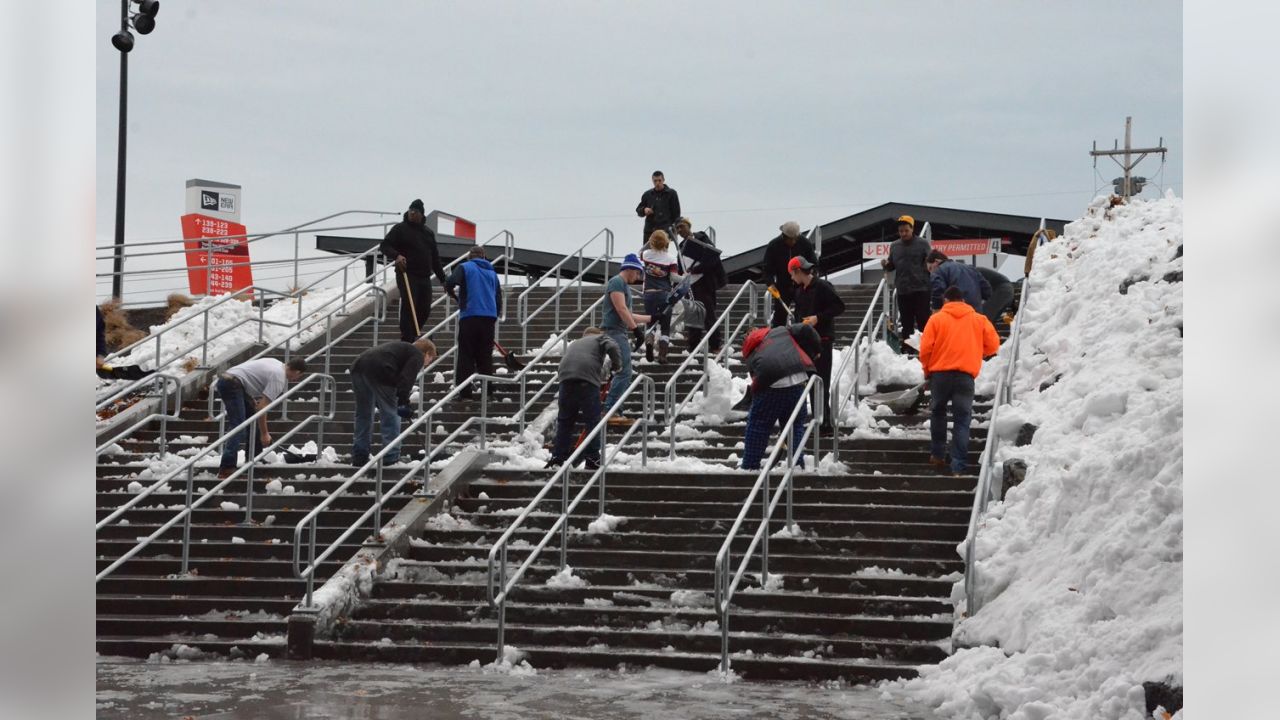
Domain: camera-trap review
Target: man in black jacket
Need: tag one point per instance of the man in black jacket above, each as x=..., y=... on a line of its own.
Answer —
x=817, y=305
x=660, y=207
x=412, y=247
x=383, y=377
x=702, y=257
x=777, y=254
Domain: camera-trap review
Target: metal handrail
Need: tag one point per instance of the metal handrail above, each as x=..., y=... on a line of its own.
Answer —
x=522, y=300
x=860, y=345
x=669, y=405
x=327, y=388
x=984, y=493
x=425, y=422
x=527, y=317
x=725, y=588
x=161, y=414
x=251, y=237
x=497, y=575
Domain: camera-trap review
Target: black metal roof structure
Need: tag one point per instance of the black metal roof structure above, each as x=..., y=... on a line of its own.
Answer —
x=842, y=239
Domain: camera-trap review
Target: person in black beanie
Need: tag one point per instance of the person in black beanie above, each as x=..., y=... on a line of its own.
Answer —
x=817, y=305
x=412, y=247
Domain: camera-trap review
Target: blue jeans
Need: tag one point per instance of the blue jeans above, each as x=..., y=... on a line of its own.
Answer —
x=369, y=394
x=621, y=376
x=955, y=388
x=655, y=305
x=579, y=400
x=238, y=406
x=769, y=407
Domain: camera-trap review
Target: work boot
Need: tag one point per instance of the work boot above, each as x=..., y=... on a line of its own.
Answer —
x=663, y=346
x=225, y=473
x=937, y=462
x=620, y=421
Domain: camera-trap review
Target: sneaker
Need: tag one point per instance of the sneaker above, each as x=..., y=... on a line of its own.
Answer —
x=359, y=460
x=592, y=464
x=553, y=463
x=620, y=421
x=663, y=345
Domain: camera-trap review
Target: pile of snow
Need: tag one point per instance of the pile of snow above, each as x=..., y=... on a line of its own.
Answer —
x=240, y=320
x=721, y=392
x=1080, y=568
x=606, y=523
x=513, y=663
x=179, y=653
x=565, y=579
x=445, y=521
x=880, y=367
x=690, y=598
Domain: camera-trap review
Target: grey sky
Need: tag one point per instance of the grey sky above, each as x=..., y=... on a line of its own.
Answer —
x=511, y=113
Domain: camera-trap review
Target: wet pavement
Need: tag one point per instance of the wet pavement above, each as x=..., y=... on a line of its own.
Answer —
x=279, y=690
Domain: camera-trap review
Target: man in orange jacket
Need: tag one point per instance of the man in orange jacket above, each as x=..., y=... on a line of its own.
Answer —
x=955, y=341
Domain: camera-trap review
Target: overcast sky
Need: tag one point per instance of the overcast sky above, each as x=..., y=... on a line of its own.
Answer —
x=547, y=118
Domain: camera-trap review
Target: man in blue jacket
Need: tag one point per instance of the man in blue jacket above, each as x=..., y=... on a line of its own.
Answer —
x=479, y=304
x=945, y=272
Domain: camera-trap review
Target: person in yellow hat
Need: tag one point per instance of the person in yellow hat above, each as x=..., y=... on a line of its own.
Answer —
x=911, y=276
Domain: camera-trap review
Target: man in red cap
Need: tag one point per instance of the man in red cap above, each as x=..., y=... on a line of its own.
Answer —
x=817, y=305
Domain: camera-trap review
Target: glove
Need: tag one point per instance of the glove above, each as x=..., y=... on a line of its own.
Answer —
x=638, y=338
x=405, y=412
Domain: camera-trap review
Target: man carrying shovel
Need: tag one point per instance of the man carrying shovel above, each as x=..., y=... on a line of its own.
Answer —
x=412, y=247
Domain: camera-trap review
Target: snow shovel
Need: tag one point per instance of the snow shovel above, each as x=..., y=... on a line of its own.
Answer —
x=791, y=313
x=902, y=402
x=122, y=372
x=413, y=311
x=514, y=364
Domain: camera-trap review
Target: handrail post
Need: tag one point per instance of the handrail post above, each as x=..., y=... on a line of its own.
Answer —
x=311, y=574
x=764, y=523
x=484, y=410
x=186, y=524
x=377, y=506
x=249, y=454
x=295, y=265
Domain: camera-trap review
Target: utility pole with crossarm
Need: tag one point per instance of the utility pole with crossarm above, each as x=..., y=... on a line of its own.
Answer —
x=1128, y=186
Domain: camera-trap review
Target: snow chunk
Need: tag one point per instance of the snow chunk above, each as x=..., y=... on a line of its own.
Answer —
x=566, y=579
x=605, y=524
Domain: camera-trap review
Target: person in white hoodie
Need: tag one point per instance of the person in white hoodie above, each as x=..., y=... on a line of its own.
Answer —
x=661, y=272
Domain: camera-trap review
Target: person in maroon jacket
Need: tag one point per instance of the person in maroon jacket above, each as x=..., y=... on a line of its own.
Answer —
x=780, y=362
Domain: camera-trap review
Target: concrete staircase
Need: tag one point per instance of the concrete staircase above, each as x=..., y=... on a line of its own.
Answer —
x=863, y=594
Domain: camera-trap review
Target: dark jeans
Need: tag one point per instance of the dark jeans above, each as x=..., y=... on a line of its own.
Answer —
x=579, y=401
x=705, y=293
x=1001, y=298
x=769, y=407
x=955, y=388
x=421, y=288
x=475, y=350
x=370, y=394
x=822, y=364
x=655, y=306
x=913, y=311
x=238, y=406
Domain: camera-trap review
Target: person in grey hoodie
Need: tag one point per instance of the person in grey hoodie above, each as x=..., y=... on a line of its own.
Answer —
x=911, y=277
x=582, y=372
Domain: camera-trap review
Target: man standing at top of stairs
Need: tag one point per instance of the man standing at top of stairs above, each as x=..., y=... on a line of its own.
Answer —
x=659, y=206
x=412, y=247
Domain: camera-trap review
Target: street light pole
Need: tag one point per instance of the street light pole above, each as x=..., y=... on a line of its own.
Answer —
x=144, y=22
x=117, y=277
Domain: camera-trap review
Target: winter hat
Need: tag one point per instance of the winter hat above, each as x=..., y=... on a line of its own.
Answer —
x=906, y=219
x=790, y=228
x=631, y=262
x=417, y=205
x=799, y=262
